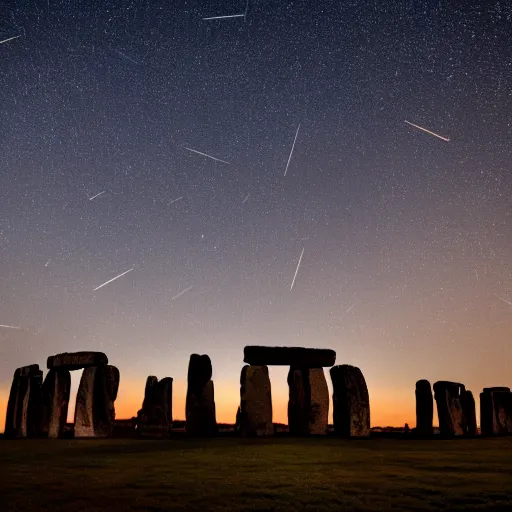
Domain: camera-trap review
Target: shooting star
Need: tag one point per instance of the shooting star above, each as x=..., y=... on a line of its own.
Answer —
x=224, y=17
x=10, y=327
x=504, y=300
x=117, y=277
x=10, y=39
x=174, y=200
x=291, y=152
x=297, y=269
x=350, y=308
x=428, y=131
x=97, y=195
x=246, y=197
x=208, y=156
x=126, y=56
x=48, y=262
x=182, y=293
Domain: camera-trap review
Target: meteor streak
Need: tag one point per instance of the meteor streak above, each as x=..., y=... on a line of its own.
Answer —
x=428, y=131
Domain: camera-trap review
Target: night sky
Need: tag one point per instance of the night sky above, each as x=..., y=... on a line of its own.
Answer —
x=407, y=238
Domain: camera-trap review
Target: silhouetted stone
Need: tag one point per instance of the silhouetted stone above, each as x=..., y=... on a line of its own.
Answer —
x=319, y=403
x=76, y=360
x=55, y=401
x=24, y=402
x=255, y=413
x=424, y=408
x=449, y=408
x=308, y=404
x=351, y=402
x=95, y=412
x=298, y=357
x=200, y=402
x=155, y=417
x=496, y=411
x=467, y=403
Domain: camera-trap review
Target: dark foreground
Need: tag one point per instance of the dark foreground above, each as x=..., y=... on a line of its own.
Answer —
x=274, y=474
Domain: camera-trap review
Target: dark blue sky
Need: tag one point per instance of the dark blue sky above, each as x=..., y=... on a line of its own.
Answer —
x=407, y=238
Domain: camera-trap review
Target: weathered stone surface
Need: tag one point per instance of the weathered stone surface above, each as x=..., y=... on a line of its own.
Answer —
x=424, y=408
x=308, y=404
x=319, y=403
x=467, y=403
x=55, y=401
x=77, y=360
x=449, y=408
x=24, y=402
x=94, y=411
x=155, y=417
x=298, y=357
x=255, y=412
x=200, y=403
x=496, y=411
x=351, y=402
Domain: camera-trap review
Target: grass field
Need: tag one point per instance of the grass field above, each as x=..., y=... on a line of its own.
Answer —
x=286, y=474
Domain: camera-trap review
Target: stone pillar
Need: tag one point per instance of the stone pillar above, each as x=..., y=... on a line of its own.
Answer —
x=94, y=411
x=449, y=408
x=351, y=402
x=155, y=417
x=55, y=400
x=496, y=411
x=255, y=416
x=308, y=405
x=467, y=403
x=424, y=408
x=24, y=402
x=200, y=403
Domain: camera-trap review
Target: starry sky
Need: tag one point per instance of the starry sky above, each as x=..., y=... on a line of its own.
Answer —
x=406, y=238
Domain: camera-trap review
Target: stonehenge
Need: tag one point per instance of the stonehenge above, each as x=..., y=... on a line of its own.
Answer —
x=496, y=411
x=155, y=417
x=351, y=402
x=39, y=408
x=424, y=408
x=200, y=414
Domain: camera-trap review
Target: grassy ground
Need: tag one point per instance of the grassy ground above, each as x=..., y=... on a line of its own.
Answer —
x=286, y=474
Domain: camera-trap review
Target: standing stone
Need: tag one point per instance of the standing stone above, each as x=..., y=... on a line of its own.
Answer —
x=55, y=400
x=155, y=417
x=351, y=402
x=319, y=402
x=255, y=416
x=24, y=402
x=467, y=403
x=424, y=408
x=449, y=408
x=94, y=411
x=200, y=403
x=298, y=357
x=76, y=360
x=308, y=404
x=496, y=411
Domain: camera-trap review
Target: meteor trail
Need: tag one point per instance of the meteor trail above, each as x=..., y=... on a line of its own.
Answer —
x=224, y=17
x=113, y=279
x=182, y=293
x=291, y=152
x=174, y=200
x=246, y=197
x=297, y=269
x=208, y=156
x=97, y=195
x=48, y=262
x=428, y=131
x=350, y=308
x=125, y=56
x=10, y=39
x=504, y=300
x=10, y=327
